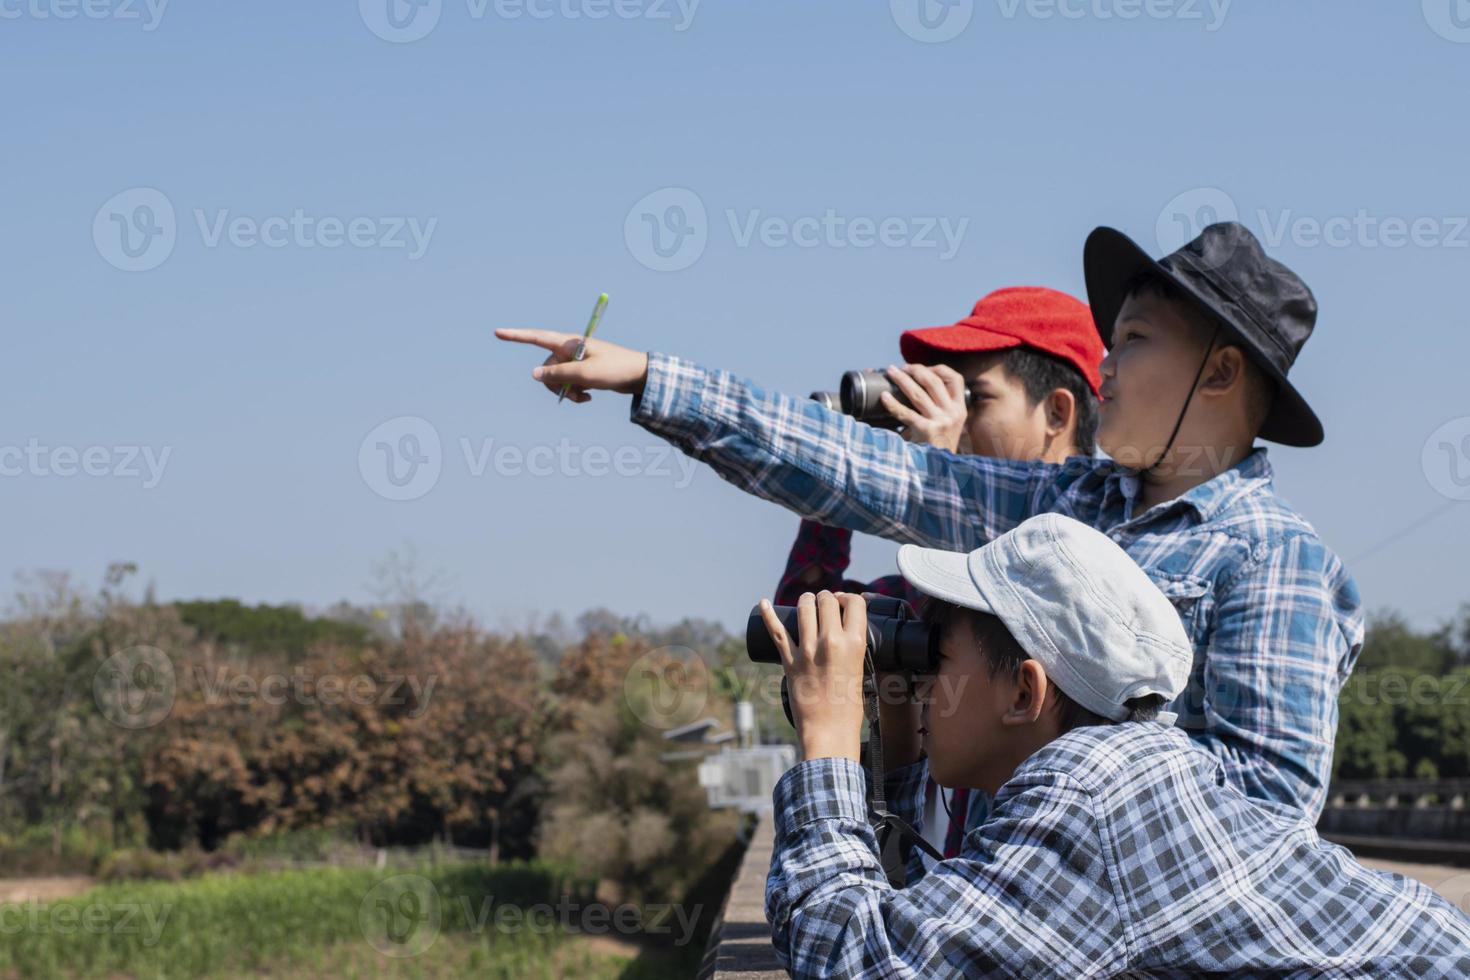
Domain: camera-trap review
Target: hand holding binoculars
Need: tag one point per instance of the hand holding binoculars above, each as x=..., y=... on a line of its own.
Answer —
x=861, y=396
x=898, y=641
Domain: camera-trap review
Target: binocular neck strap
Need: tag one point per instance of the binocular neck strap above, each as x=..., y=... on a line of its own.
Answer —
x=896, y=836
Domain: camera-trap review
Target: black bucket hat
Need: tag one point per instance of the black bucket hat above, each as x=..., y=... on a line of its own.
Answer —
x=1262, y=305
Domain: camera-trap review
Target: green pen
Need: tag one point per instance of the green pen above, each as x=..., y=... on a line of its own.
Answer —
x=582, y=347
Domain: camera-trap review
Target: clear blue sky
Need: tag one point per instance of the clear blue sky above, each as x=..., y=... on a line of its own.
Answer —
x=519, y=146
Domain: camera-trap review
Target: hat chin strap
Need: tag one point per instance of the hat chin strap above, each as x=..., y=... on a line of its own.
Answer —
x=1179, y=423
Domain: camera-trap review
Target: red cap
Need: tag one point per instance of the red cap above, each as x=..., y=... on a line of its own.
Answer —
x=1022, y=316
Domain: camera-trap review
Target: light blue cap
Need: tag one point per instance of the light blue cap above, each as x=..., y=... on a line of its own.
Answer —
x=1075, y=602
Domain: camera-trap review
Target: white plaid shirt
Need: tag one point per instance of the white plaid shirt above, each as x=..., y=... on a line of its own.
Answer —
x=1275, y=619
x=1114, y=850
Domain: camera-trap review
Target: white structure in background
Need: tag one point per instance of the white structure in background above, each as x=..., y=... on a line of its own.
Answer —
x=741, y=777
x=745, y=778
x=745, y=724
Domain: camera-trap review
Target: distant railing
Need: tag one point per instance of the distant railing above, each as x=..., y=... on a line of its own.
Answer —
x=1409, y=819
x=1420, y=793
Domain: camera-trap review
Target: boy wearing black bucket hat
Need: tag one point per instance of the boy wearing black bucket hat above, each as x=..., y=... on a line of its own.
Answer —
x=1201, y=346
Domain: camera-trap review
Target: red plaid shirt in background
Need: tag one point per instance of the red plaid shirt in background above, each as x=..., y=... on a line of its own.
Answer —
x=829, y=550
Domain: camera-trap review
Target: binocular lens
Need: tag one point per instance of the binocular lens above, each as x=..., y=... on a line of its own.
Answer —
x=828, y=399
x=862, y=393
x=861, y=396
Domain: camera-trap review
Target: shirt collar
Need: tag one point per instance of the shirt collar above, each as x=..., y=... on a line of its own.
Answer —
x=1213, y=496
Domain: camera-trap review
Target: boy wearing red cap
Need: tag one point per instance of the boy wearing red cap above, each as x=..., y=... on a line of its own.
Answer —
x=1028, y=358
x=1200, y=346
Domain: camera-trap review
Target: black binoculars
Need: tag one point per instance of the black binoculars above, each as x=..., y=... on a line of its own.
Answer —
x=898, y=641
x=861, y=397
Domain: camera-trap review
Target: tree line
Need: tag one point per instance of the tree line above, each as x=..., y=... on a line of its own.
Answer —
x=402, y=724
x=130, y=723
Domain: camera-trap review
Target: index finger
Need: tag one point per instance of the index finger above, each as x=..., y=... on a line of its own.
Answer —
x=905, y=382
x=905, y=415
x=854, y=614
x=777, y=629
x=806, y=625
x=549, y=339
x=952, y=378
x=933, y=383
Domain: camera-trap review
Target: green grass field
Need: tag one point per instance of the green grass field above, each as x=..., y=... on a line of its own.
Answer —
x=435, y=921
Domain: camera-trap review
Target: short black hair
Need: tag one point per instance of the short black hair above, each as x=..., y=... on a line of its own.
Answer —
x=1150, y=283
x=1041, y=373
x=1004, y=657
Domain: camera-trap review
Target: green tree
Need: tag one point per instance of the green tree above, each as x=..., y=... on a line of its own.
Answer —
x=1366, y=733
x=613, y=806
x=267, y=629
x=1390, y=642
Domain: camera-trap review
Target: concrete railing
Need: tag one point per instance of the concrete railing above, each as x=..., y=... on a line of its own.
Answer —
x=740, y=945
x=1449, y=793
x=1410, y=819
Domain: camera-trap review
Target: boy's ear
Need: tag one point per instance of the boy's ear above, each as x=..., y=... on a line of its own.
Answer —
x=1226, y=371
x=1061, y=411
x=1027, y=695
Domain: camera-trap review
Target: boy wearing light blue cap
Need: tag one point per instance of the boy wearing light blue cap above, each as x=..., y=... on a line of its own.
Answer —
x=1114, y=846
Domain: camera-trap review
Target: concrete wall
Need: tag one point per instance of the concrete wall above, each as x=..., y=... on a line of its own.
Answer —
x=1436, y=834
x=740, y=946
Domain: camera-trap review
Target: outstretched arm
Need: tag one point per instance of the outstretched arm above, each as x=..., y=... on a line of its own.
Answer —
x=817, y=463
x=820, y=555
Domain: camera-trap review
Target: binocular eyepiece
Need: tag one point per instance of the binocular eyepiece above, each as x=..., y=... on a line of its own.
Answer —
x=860, y=396
x=898, y=641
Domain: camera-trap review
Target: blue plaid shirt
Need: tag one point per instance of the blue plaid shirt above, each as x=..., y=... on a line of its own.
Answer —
x=1119, y=849
x=1275, y=618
